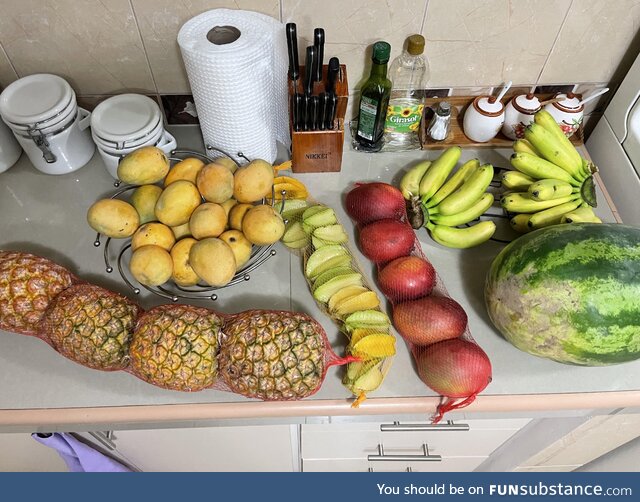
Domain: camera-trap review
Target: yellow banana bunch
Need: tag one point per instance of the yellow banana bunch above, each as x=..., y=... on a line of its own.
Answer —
x=551, y=183
x=453, y=202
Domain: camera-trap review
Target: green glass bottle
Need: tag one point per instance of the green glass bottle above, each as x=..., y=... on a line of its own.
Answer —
x=374, y=99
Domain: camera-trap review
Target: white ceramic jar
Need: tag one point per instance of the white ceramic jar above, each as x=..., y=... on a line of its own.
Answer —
x=124, y=123
x=568, y=112
x=483, y=119
x=518, y=114
x=10, y=149
x=42, y=112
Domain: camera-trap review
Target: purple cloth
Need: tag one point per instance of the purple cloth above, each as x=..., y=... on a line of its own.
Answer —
x=78, y=456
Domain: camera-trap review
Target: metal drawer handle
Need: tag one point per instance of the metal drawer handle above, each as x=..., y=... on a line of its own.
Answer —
x=425, y=457
x=398, y=427
x=408, y=469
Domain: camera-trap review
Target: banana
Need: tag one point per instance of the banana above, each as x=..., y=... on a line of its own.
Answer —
x=475, y=211
x=546, y=120
x=523, y=146
x=553, y=215
x=515, y=180
x=440, y=168
x=540, y=169
x=581, y=215
x=454, y=182
x=520, y=223
x=552, y=150
x=549, y=189
x=462, y=237
x=465, y=196
x=588, y=168
x=410, y=182
x=521, y=202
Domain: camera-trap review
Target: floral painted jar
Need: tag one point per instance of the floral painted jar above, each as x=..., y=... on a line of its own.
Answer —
x=568, y=112
x=519, y=114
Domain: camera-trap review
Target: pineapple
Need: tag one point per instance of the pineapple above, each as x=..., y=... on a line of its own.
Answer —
x=28, y=283
x=91, y=326
x=175, y=346
x=273, y=355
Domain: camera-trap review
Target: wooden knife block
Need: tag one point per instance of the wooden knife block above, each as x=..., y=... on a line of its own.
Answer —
x=319, y=151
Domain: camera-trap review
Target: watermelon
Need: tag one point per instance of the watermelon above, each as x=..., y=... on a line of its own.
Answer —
x=570, y=293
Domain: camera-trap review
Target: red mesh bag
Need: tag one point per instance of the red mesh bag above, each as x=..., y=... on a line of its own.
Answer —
x=433, y=324
x=263, y=354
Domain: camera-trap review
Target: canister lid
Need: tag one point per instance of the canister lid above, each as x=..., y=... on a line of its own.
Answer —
x=570, y=101
x=35, y=99
x=125, y=118
x=486, y=104
x=527, y=102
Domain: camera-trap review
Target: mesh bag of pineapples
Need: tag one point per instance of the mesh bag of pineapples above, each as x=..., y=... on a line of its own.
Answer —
x=264, y=354
x=434, y=325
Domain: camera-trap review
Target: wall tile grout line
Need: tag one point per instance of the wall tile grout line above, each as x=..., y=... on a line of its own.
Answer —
x=281, y=10
x=555, y=41
x=9, y=59
x=144, y=47
x=424, y=17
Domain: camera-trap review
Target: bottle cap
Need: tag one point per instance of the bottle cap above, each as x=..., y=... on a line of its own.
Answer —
x=381, y=52
x=443, y=109
x=415, y=45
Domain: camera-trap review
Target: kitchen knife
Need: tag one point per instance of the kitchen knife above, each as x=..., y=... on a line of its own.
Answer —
x=322, y=111
x=306, y=115
x=308, y=70
x=315, y=110
x=292, y=46
x=318, y=43
x=330, y=116
x=332, y=74
x=296, y=103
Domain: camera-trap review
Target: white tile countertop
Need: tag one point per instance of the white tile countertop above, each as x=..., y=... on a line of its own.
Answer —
x=45, y=215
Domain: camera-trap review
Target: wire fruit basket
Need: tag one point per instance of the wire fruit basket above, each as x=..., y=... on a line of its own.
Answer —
x=170, y=290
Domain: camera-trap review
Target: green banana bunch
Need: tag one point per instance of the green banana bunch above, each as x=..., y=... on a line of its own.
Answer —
x=440, y=169
x=410, y=182
x=515, y=180
x=462, y=238
x=553, y=183
x=449, y=203
x=549, y=189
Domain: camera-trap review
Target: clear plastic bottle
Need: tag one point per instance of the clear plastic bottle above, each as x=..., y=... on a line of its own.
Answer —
x=409, y=74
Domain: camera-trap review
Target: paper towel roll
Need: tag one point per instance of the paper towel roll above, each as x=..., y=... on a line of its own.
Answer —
x=239, y=88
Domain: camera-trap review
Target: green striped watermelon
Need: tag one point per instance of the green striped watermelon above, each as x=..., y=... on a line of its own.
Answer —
x=570, y=293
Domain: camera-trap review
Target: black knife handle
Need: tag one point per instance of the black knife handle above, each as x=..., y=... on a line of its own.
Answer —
x=331, y=110
x=295, y=110
x=318, y=43
x=332, y=74
x=315, y=110
x=322, y=111
x=308, y=70
x=300, y=111
x=292, y=48
x=306, y=112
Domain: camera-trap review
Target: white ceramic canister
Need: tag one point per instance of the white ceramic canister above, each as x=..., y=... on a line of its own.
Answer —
x=10, y=149
x=483, y=119
x=568, y=112
x=124, y=123
x=518, y=114
x=42, y=112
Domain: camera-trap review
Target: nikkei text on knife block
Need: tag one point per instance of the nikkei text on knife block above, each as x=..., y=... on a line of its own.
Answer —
x=320, y=151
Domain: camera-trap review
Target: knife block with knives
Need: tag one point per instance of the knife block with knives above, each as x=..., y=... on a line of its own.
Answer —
x=319, y=150
x=317, y=106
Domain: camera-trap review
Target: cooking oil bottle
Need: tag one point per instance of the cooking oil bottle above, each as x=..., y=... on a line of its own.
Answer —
x=409, y=74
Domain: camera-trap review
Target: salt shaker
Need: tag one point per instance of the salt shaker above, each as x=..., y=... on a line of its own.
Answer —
x=440, y=123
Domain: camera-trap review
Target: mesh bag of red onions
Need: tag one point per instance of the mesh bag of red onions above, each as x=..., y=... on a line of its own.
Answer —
x=434, y=325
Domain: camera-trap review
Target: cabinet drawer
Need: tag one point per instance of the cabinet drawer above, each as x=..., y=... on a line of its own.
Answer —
x=359, y=440
x=448, y=464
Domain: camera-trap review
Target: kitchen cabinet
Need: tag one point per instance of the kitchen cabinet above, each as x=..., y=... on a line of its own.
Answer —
x=348, y=447
x=264, y=448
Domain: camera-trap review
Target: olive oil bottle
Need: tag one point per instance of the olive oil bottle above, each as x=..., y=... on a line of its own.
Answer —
x=374, y=99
